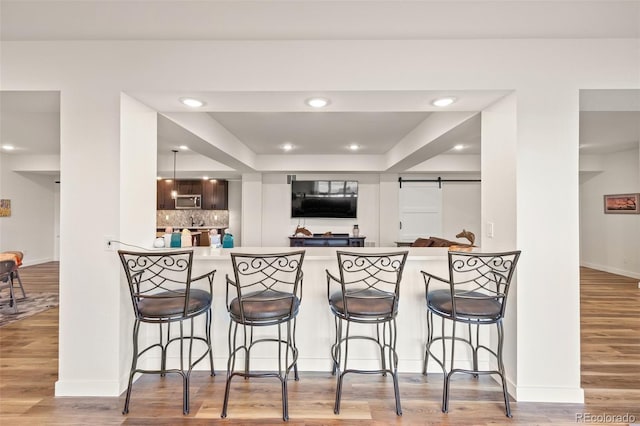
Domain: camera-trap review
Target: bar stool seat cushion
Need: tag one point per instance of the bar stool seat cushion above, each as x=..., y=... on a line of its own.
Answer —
x=473, y=305
x=265, y=306
x=170, y=304
x=365, y=303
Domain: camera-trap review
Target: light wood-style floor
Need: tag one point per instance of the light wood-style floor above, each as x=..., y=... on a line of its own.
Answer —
x=610, y=377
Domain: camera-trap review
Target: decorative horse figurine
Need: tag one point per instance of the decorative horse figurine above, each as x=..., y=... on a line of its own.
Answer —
x=302, y=230
x=468, y=235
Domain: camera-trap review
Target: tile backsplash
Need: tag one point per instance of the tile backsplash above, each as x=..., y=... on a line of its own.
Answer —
x=187, y=218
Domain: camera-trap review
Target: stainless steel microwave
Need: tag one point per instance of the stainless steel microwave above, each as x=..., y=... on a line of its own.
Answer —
x=191, y=201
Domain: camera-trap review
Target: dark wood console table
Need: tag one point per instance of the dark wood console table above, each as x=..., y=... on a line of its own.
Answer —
x=319, y=240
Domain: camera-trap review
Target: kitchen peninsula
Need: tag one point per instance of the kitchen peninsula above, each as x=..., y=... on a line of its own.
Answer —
x=315, y=325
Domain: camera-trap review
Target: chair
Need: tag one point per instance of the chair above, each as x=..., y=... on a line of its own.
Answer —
x=368, y=291
x=17, y=256
x=6, y=280
x=476, y=295
x=161, y=290
x=266, y=291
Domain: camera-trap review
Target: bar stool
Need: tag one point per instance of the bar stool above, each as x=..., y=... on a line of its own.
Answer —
x=266, y=291
x=6, y=281
x=17, y=256
x=161, y=290
x=368, y=293
x=476, y=295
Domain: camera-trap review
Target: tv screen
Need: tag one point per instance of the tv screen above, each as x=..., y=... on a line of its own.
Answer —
x=324, y=198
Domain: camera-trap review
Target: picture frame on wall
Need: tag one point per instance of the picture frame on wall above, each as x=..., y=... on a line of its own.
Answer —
x=622, y=203
x=5, y=208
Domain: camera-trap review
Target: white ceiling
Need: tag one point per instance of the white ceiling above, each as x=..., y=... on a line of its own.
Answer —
x=264, y=121
x=315, y=19
x=321, y=132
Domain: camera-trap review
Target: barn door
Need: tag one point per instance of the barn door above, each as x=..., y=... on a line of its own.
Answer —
x=420, y=211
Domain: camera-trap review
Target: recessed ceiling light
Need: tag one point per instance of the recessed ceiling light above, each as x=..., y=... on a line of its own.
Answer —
x=443, y=102
x=354, y=147
x=183, y=147
x=191, y=102
x=287, y=147
x=318, y=102
x=205, y=177
x=8, y=147
x=458, y=147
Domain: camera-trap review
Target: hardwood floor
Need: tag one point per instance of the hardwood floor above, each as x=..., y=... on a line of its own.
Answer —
x=610, y=377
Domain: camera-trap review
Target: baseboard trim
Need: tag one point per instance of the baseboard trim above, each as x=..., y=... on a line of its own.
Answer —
x=611, y=270
x=545, y=394
x=32, y=262
x=87, y=388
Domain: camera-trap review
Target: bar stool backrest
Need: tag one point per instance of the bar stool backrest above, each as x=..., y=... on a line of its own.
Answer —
x=371, y=274
x=481, y=277
x=158, y=277
x=274, y=276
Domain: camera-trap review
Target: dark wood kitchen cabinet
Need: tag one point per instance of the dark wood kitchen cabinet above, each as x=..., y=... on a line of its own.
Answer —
x=214, y=194
x=164, y=200
x=189, y=186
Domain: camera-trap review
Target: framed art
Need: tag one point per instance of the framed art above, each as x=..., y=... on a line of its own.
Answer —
x=622, y=203
x=5, y=208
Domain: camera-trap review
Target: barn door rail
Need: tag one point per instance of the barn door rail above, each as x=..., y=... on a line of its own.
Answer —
x=439, y=180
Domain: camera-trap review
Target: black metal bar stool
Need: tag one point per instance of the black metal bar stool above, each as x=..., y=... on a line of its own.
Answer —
x=266, y=291
x=476, y=295
x=368, y=293
x=161, y=292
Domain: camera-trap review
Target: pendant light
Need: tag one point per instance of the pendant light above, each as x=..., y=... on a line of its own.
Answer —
x=174, y=192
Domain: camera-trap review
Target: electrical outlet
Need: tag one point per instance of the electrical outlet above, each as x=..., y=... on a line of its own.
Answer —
x=108, y=243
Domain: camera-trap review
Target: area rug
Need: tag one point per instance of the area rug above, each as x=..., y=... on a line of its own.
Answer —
x=27, y=307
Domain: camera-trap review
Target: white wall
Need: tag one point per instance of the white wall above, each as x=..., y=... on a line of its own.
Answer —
x=31, y=226
x=461, y=209
x=611, y=242
x=276, y=209
x=235, y=210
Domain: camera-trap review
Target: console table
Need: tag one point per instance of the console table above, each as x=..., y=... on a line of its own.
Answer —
x=319, y=240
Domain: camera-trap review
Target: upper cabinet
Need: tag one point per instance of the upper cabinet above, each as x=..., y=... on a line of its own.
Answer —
x=189, y=187
x=214, y=193
x=164, y=200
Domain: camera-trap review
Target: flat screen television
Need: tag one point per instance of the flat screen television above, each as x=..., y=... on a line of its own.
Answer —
x=324, y=198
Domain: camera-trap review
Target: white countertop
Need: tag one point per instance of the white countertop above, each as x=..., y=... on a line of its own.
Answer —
x=320, y=253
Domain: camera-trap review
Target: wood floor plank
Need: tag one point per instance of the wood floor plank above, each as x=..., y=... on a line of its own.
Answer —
x=610, y=335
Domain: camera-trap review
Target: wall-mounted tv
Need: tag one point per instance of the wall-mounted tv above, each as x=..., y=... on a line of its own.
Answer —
x=324, y=198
